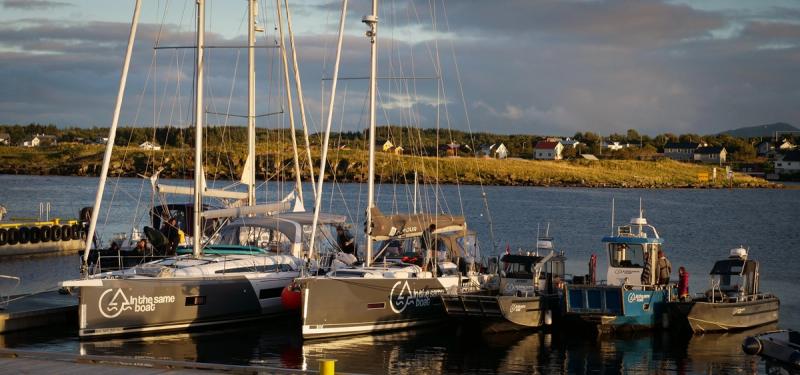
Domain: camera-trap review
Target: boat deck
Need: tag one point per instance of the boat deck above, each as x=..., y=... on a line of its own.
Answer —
x=38, y=310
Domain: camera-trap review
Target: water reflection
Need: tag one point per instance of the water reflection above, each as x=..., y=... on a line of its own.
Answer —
x=445, y=350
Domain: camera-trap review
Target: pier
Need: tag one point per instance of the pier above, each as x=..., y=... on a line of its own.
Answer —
x=31, y=362
x=38, y=310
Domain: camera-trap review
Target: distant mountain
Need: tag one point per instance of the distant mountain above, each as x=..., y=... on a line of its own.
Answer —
x=767, y=130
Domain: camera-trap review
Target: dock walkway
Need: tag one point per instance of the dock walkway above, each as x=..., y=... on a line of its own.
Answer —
x=38, y=310
x=30, y=362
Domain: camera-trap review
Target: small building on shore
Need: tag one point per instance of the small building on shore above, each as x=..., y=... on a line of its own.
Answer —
x=788, y=163
x=5, y=139
x=546, y=150
x=40, y=140
x=711, y=155
x=501, y=152
x=681, y=151
x=150, y=146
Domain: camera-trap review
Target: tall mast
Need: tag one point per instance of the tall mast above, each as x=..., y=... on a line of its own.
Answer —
x=251, y=103
x=198, y=129
x=299, y=88
x=298, y=178
x=372, y=34
x=112, y=133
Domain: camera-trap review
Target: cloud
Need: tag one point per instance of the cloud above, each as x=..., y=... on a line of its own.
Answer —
x=32, y=4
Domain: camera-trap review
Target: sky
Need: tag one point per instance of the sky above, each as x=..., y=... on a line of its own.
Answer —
x=546, y=67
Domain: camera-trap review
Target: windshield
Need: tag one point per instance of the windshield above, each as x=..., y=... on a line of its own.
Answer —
x=626, y=255
x=245, y=235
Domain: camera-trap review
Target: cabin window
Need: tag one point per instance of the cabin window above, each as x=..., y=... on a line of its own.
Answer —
x=469, y=244
x=626, y=255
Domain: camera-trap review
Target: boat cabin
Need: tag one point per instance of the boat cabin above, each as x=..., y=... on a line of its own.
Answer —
x=734, y=278
x=288, y=233
x=633, y=253
x=184, y=214
x=544, y=273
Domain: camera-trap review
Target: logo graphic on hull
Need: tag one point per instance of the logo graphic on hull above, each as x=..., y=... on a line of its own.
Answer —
x=116, y=305
x=402, y=296
x=113, y=302
x=635, y=297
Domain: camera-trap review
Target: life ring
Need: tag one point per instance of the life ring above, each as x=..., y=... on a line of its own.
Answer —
x=36, y=234
x=13, y=236
x=46, y=235
x=55, y=233
x=76, y=231
x=3, y=237
x=66, y=233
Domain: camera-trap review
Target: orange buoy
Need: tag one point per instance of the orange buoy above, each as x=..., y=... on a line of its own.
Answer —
x=291, y=296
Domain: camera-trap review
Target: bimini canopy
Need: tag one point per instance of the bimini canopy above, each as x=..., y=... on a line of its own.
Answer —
x=401, y=226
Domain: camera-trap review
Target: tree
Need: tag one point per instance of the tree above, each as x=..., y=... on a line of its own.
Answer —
x=633, y=136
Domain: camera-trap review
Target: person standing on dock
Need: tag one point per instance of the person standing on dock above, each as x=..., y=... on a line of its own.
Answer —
x=664, y=268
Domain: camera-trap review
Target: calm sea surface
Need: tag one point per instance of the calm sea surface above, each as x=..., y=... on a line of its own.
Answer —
x=699, y=226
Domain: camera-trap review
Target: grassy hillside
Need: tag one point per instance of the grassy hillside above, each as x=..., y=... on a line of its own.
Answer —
x=351, y=166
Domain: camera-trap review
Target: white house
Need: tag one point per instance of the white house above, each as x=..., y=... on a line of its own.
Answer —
x=788, y=163
x=501, y=152
x=544, y=150
x=569, y=142
x=711, y=155
x=614, y=145
x=5, y=139
x=786, y=145
x=149, y=146
x=40, y=140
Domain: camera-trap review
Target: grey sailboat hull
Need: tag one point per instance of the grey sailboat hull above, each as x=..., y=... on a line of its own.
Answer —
x=347, y=306
x=136, y=305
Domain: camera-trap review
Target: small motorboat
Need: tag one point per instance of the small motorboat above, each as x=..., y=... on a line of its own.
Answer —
x=529, y=295
x=734, y=301
x=781, y=349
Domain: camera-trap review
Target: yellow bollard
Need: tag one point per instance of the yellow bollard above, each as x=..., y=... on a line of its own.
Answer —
x=327, y=366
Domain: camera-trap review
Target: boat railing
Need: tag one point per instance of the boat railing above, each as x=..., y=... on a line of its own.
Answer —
x=5, y=298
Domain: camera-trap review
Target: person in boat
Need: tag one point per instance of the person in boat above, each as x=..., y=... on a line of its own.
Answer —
x=345, y=240
x=683, y=284
x=664, y=268
x=171, y=232
x=114, y=247
x=142, y=247
x=429, y=245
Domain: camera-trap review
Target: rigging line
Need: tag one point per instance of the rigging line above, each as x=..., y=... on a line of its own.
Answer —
x=469, y=127
x=244, y=116
x=387, y=78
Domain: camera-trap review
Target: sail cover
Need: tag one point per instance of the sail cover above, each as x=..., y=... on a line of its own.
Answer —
x=400, y=226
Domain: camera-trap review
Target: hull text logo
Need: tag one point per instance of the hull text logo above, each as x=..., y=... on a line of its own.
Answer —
x=402, y=296
x=113, y=302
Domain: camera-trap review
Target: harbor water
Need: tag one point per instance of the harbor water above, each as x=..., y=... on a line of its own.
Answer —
x=698, y=226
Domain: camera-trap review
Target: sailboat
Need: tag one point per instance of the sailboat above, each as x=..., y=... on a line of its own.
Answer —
x=237, y=274
x=416, y=263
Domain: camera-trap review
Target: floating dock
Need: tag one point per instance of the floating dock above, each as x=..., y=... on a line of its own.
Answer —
x=30, y=362
x=38, y=310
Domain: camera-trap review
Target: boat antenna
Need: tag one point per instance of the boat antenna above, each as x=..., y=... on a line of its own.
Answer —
x=612, y=216
x=112, y=133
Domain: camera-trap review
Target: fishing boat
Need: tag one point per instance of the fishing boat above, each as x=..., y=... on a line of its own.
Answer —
x=733, y=302
x=630, y=298
x=529, y=293
x=234, y=273
x=40, y=235
x=781, y=350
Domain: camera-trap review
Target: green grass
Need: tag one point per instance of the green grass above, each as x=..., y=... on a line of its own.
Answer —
x=351, y=165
